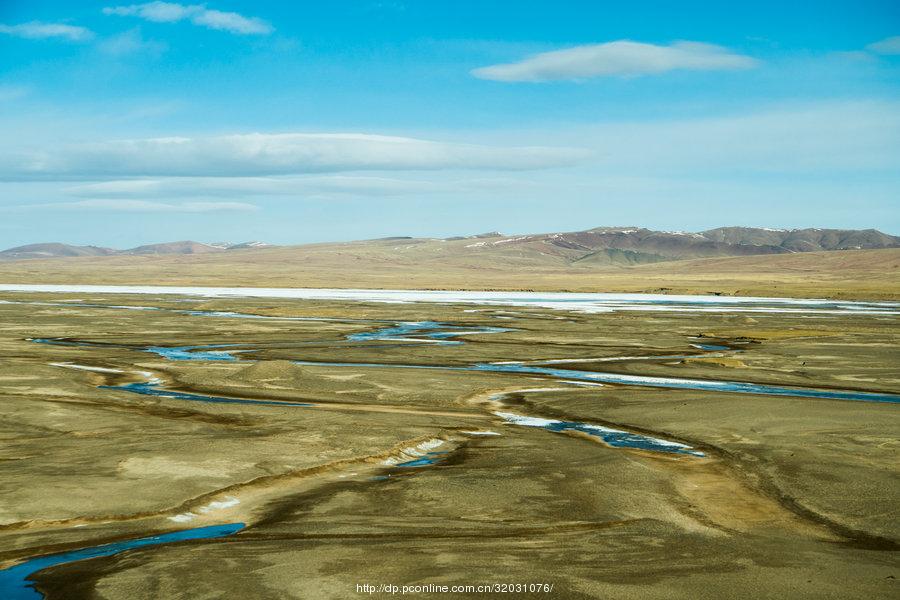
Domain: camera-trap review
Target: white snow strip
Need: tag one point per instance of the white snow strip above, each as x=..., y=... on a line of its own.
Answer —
x=506, y=241
x=481, y=432
x=526, y=421
x=406, y=339
x=413, y=453
x=183, y=517
x=515, y=419
x=590, y=303
x=430, y=445
x=561, y=361
x=220, y=504
x=86, y=368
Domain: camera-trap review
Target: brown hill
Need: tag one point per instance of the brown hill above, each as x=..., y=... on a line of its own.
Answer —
x=183, y=247
x=601, y=245
x=53, y=250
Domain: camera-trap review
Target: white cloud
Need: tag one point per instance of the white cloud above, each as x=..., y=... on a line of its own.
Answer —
x=198, y=14
x=312, y=188
x=255, y=186
x=273, y=154
x=145, y=206
x=230, y=21
x=131, y=42
x=889, y=45
x=158, y=12
x=36, y=30
x=622, y=58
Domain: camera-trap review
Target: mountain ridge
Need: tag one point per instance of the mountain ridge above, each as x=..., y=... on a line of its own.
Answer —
x=599, y=245
x=60, y=250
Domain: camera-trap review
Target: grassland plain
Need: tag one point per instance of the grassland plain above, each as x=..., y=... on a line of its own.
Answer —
x=393, y=264
x=793, y=497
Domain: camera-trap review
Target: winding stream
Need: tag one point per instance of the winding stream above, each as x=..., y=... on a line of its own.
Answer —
x=15, y=583
x=154, y=388
x=611, y=437
x=735, y=387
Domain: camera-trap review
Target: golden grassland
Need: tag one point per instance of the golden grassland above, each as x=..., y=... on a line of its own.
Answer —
x=847, y=274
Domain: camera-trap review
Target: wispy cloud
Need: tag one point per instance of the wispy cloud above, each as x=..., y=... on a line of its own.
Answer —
x=889, y=45
x=129, y=43
x=306, y=187
x=144, y=206
x=619, y=58
x=37, y=30
x=177, y=187
x=274, y=154
x=198, y=14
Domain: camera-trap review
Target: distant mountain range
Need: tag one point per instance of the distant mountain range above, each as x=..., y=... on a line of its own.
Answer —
x=57, y=250
x=633, y=245
x=598, y=246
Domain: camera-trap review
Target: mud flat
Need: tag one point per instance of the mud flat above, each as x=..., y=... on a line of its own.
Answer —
x=377, y=474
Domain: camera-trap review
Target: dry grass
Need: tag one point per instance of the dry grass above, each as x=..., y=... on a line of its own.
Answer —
x=862, y=274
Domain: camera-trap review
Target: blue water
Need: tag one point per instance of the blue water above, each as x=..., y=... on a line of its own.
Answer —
x=167, y=352
x=191, y=353
x=194, y=352
x=711, y=347
x=737, y=387
x=425, y=461
x=15, y=584
x=690, y=384
x=59, y=342
x=623, y=439
x=154, y=389
x=441, y=333
x=444, y=334
x=611, y=437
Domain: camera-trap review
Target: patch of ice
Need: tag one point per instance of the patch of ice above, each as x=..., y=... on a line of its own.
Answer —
x=430, y=445
x=576, y=302
x=86, y=368
x=417, y=451
x=507, y=240
x=183, y=517
x=526, y=421
x=220, y=504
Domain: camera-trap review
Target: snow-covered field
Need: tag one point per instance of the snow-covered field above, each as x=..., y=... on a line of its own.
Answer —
x=592, y=303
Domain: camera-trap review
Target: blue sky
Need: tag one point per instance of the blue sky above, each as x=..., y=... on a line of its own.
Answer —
x=287, y=122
